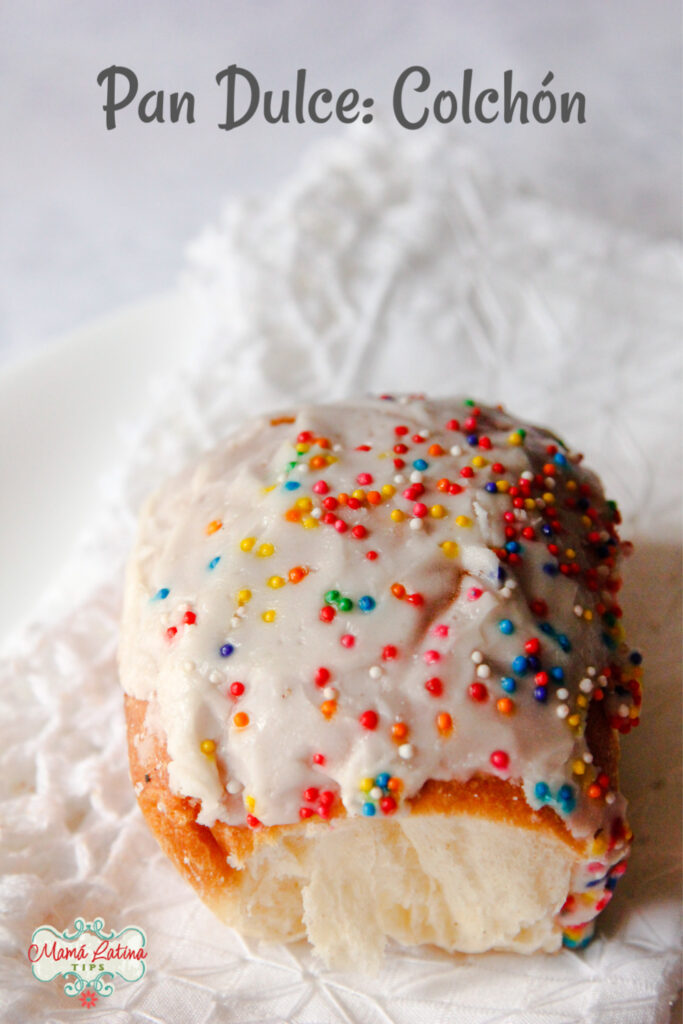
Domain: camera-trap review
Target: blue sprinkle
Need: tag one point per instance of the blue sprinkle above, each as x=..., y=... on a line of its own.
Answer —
x=473, y=440
x=564, y=642
x=608, y=641
x=512, y=545
x=602, y=551
x=506, y=626
x=635, y=657
x=519, y=665
x=508, y=684
x=292, y=485
x=542, y=791
x=161, y=594
x=501, y=574
x=568, y=805
x=611, y=882
x=369, y=810
x=560, y=459
x=565, y=793
x=545, y=627
x=226, y=650
x=541, y=694
x=582, y=504
x=550, y=569
x=557, y=672
x=596, y=881
x=366, y=603
x=547, y=530
x=214, y=562
x=382, y=780
x=491, y=488
x=533, y=662
x=420, y=464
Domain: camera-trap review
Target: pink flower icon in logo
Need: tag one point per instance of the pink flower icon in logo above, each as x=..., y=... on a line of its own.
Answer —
x=88, y=998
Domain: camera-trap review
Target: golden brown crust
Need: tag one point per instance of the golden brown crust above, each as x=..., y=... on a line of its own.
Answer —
x=200, y=853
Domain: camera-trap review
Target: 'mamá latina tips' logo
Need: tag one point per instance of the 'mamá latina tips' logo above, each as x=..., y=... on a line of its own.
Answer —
x=89, y=958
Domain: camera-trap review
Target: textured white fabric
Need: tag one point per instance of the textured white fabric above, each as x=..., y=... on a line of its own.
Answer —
x=383, y=266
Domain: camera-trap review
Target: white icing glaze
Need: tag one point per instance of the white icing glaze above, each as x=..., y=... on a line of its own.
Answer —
x=454, y=635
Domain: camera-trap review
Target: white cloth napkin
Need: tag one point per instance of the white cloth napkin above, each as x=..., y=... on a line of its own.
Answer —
x=386, y=265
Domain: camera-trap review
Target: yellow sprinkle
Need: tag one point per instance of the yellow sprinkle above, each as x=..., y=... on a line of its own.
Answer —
x=479, y=462
x=358, y=494
x=309, y=523
x=243, y=596
x=397, y=515
x=599, y=846
x=305, y=504
x=247, y=543
x=366, y=785
x=449, y=548
x=463, y=521
x=574, y=719
x=388, y=491
x=571, y=485
x=570, y=553
x=249, y=803
x=588, y=615
x=549, y=498
x=438, y=511
x=330, y=459
x=529, y=503
x=207, y=747
x=276, y=582
x=503, y=485
x=582, y=701
x=579, y=767
x=633, y=712
x=515, y=438
x=586, y=521
x=302, y=448
x=265, y=550
x=267, y=490
x=269, y=616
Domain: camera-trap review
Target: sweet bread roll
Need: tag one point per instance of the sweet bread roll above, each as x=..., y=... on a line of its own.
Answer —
x=375, y=677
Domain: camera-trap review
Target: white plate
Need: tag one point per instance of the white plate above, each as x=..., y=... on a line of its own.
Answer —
x=59, y=412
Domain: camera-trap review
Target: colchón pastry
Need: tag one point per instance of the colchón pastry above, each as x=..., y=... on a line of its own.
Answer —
x=375, y=677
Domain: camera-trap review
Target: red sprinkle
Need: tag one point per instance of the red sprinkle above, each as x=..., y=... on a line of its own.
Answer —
x=359, y=532
x=387, y=805
x=237, y=689
x=189, y=618
x=322, y=676
x=389, y=652
x=252, y=821
x=327, y=798
x=320, y=487
x=371, y=555
x=319, y=759
x=171, y=632
x=340, y=526
x=474, y=593
x=311, y=794
x=434, y=686
x=478, y=692
x=499, y=759
x=369, y=719
x=305, y=812
x=327, y=613
x=348, y=640
x=532, y=646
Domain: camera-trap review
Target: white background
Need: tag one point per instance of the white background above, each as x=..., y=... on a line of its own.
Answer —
x=93, y=219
